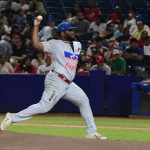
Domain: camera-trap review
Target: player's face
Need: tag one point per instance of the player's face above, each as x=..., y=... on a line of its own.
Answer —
x=69, y=35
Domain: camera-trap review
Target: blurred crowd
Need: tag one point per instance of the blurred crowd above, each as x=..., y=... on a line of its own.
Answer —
x=117, y=44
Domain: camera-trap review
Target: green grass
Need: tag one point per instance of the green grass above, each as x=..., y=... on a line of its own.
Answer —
x=123, y=133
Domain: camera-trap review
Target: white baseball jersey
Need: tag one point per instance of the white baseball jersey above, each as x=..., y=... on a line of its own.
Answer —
x=64, y=58
x=43, y=69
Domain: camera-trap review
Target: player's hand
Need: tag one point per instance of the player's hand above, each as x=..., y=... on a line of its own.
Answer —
x=37, y=21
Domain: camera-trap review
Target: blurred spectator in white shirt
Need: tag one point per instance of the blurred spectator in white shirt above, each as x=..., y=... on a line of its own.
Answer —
x=14, y=6
x=24, y=5
x=7, y=26
x=5, y=46
x=5, y=67
x=130, y=20
x=46, y=32
x=147, y=46
x=47, y=67
x=38, y=60
x=101, y=65
x=98, y=25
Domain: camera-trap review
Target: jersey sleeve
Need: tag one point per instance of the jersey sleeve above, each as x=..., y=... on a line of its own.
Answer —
x=49, y=46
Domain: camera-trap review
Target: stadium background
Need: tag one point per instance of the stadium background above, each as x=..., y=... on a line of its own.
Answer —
x=110, y=95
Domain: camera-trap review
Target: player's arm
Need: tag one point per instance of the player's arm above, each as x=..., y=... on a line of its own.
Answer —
x=35, y=35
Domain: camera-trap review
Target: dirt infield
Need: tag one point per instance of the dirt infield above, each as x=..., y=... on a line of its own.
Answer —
x=17, y=141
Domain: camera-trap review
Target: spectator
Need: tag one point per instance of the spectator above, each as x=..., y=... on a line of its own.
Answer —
x=26, y=32
x=24, y=5
x=142, y=39
x=117, y=16
x=108, y=33
x=47, y=67
x=25, y=67
x=54, y=33
x=46, y=32
x=134, y=58
x=37, y=7
x=82, y=25
x=118, y=31
x=5, y=46
x=84, y=69
x=140, y=28
x=98, y=26
x=5, y=67
x=38, y=60
x=15, y=29
x=91, y=11
x=73, y=15
x=124, y=39
x=7, y=26
x=2, y=5
x=14, y=6
x=97, y=48
x=136, y=29
x=113, y=44
x=3, y=18
x=19, y=18
x=130, y=20
x=1, y=29
x=117, y=63
x=84, y=64
x=101, y=65
x=147, y=46
x=19, y=50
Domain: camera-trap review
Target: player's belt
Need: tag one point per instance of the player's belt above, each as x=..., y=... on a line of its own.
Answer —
x=61, y=76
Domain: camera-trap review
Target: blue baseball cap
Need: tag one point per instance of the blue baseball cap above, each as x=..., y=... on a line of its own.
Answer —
x=64, y=26
x=140, y=18
x=51, y=19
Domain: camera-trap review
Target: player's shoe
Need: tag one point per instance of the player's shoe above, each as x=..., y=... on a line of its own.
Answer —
x=96, y=136
x=6, y=122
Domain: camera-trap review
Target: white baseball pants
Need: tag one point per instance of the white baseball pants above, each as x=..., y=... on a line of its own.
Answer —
x=56, y=88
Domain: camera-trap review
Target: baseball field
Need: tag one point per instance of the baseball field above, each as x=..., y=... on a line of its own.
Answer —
x=67, y=132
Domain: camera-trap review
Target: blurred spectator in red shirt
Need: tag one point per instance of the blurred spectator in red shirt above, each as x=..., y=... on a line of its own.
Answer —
x=91, y=11
x=97, y=48
x=25, y=67
x=117, y=15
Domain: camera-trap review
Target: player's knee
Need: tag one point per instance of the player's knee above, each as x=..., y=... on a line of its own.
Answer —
x=84, y=100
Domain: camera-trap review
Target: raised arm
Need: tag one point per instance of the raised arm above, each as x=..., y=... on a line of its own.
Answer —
x=35, y=35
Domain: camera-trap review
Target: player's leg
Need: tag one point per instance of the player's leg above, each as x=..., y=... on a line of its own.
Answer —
x=77, y=96
x=51, y=95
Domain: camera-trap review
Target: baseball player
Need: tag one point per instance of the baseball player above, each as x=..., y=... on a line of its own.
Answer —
x=59, y=81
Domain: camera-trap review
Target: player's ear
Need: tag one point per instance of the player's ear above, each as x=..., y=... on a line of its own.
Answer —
x=62, y=34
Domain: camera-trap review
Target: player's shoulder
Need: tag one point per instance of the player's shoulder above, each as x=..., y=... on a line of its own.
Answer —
x=77, y=43
x=54, y=41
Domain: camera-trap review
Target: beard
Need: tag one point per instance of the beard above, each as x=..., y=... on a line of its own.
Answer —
x=70, y=37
